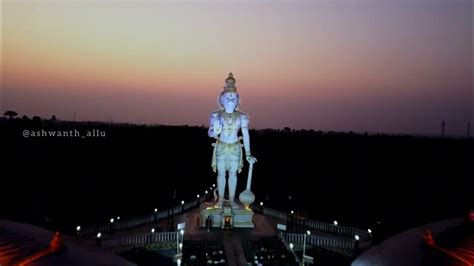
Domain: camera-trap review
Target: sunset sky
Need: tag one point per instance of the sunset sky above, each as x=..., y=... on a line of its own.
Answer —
x=392, y=66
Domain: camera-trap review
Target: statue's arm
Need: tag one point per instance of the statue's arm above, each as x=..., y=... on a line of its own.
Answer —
x=245, y=133
x=214, y=126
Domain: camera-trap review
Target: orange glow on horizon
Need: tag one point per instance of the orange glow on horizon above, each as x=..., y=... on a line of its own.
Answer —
x=329, y=57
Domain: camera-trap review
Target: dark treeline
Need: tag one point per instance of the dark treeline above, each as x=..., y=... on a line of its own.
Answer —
x=357, y=179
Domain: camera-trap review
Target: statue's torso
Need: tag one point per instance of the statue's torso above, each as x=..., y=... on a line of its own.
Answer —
x=230, y=126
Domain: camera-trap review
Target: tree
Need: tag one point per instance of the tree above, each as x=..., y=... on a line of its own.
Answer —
x=36, y=119
x=10, y=114
x=53, y=118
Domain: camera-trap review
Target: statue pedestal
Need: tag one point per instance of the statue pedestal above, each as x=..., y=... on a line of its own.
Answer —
x=226, y=217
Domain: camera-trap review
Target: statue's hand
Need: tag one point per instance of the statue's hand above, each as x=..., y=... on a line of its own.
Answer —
x=217, y=127
x=251, y=159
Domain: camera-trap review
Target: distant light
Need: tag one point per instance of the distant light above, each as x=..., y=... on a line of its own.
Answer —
x=180, y=245
x=99, y=235
x=356, y=237
x=182, y=202
x=153, y=230
x=261, y=203
x=213, y=185
x=181, y=232
x=178, y=261
x=118, y=217
x=78, y=228
x=112, y=220
x=156, y=209
x=197, y=196
x=291, y=245
x=370, y=231
x=308, y=232
x=206, y=191
x=378, y=222
x=292, y=212
x=335, y=223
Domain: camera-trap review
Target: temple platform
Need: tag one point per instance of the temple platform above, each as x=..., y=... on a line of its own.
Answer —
x=227, y=217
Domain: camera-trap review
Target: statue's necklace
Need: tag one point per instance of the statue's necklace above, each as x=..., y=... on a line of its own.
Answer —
x=229, y=118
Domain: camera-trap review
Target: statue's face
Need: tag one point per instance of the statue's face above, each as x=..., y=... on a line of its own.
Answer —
x=229, y=100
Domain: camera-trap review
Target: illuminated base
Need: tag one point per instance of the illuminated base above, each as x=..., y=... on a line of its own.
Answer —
x=226, y=217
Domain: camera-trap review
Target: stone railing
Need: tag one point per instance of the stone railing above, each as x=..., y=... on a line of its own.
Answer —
x=275, y=214
x=321, y=241
x=349, y=232
x=123, y=224
x=338, y=230
x=344, y=236
x=140, y=240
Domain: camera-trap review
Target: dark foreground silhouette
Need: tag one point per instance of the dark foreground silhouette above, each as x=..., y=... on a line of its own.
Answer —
x=367, y=181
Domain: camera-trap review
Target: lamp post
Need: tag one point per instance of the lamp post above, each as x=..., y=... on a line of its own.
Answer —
x=179, y=245
x=111, y=225
x=304, y=244
x=78, y=229
x=291, y=246
x=99, y=235
x=357, y=243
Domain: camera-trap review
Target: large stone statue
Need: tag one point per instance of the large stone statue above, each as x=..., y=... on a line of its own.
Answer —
x=224, y=126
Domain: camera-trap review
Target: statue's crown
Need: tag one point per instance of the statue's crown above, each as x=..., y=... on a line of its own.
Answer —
x=230, y=84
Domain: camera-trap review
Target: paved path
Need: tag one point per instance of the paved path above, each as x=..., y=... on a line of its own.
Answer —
x=234, y=251
x=232, y=239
